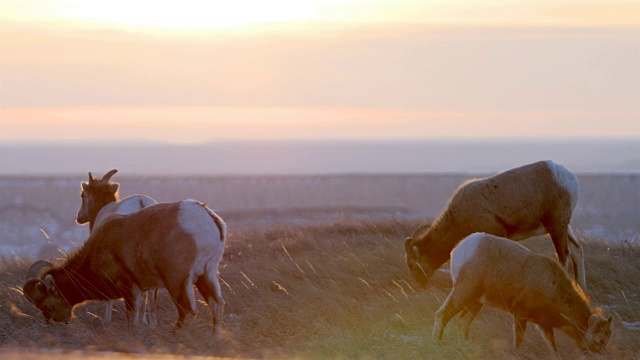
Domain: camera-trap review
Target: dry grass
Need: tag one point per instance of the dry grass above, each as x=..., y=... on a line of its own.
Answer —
x=334, y=291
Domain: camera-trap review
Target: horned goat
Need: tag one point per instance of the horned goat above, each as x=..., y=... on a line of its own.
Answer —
x=488, y=269
x=99, y=199
x=531, y=200
x=168, y=245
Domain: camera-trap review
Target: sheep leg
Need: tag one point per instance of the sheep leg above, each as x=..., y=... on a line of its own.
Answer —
x=577, y=258
x=152, y=306
x=468, y=314
x=519, y=327
x=132, y=304
x=209, y=287
x=448, y=310
x=455, y=302
x=563, y=237
x=559, y=237
x=547, y=332
x=108, y=309
x=184, y=299
x=148, y=306
x=142, y=308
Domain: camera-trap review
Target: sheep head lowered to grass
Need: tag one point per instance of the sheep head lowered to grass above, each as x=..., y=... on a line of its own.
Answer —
x=99, y=200
x=168, y=245
x=531, y=200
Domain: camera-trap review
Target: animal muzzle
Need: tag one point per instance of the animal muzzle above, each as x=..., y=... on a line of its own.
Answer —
x=82, y=218
x=421, y=274
x=61, y=318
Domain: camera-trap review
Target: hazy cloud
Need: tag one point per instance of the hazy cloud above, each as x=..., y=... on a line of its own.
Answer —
x=425, y=68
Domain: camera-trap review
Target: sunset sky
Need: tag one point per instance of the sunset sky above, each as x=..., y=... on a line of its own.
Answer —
x=192, y=71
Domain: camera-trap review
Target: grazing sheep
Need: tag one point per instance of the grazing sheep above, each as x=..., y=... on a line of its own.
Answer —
x=531, y=200
x=168, y=245
x=488, y=269
x=99, y=200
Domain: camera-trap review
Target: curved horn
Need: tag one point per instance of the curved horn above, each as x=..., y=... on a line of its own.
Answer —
x=108, y=175
x=408, y=244
x=418, y=231
x=35, y=269
x=35, y=290
x=91, y=178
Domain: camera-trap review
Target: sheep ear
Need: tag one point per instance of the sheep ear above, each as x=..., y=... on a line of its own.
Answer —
x=113, y=187
x=593, y=320
x=416, y=251
x=84, y=186
x=51, y=284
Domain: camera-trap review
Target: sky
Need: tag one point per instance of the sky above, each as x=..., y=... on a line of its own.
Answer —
x=194, y=71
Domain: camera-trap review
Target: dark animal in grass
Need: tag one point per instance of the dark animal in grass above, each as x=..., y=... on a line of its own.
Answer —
x=168, y=245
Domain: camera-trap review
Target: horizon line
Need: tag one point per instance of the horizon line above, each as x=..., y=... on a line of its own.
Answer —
x=238, y=140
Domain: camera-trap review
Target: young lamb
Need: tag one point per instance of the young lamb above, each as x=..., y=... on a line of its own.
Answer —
x=488, y=269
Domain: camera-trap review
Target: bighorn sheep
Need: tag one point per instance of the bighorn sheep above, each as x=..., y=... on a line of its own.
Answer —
x=501, y=273
x=531, y=200
x=99, y=200
x=168, y=245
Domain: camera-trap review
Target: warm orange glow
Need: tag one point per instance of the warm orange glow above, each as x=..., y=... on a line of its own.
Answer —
x=196, y=70
x=190, y=14
x=181, y=15
x=241, y=15
x=198, y=124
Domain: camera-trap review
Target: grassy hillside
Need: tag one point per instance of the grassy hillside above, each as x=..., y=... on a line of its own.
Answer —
x=333, y=291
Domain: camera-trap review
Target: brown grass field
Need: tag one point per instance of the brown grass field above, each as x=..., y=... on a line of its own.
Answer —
x=335, y=291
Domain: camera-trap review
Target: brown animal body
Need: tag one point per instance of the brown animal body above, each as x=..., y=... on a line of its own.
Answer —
x=168, y=245
x=99, y=200
x=488, y=269
x=534, y=199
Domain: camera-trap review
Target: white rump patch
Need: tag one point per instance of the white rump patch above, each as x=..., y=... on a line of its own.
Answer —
x=464, y=252
x=195, y=220
x=565, y=179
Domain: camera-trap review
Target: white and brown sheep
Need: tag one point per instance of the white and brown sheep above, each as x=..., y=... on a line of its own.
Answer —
x=534, y=199
x=491, y=270
x=99, y=200
x=168, y=245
